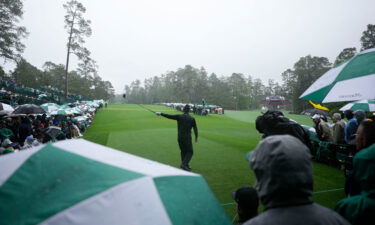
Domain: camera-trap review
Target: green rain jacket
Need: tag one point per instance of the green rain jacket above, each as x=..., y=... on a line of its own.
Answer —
x=360, y=209
x=5, y=133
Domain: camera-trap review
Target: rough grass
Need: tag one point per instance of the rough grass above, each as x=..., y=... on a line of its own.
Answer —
x=219, y=154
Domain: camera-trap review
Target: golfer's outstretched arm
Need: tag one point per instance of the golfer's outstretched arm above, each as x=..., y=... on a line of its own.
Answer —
x=172, y=117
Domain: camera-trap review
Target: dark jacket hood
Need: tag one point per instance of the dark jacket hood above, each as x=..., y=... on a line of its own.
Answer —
x=282, y=166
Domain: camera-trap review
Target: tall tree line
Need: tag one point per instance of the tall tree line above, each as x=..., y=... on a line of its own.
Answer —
x=238, y=91
x=84, y=81
x=191, y=85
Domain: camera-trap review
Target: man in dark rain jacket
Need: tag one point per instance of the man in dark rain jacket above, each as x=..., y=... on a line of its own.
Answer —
x=184, y=123
x=282, y=166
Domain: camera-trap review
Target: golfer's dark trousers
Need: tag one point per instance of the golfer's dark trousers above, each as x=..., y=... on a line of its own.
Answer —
x=186, y=148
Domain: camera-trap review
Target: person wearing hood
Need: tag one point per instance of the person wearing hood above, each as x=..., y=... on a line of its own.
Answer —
x=360, y=209
x=283, y=169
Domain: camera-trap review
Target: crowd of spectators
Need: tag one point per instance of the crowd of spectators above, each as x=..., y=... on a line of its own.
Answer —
x=282, y=164
x=197, y=109
x=19, y=132
x=13, y=93
x=340, y=132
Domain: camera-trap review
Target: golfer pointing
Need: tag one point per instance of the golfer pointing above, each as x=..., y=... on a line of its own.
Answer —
x=184, y=123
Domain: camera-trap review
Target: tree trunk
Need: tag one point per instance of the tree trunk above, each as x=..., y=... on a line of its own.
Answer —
x=67, y=56
x=66, y=69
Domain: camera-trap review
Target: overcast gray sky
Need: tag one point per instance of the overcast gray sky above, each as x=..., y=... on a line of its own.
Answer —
x=143, y=38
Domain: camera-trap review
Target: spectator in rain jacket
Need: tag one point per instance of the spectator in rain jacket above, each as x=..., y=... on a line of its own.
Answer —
x=352, y=126
x=338, y=129
x=322, y=129
x=360, y=209
x=283, y=169
x=25, y=129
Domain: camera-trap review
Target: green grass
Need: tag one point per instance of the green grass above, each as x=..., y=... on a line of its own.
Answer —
x=219, y=155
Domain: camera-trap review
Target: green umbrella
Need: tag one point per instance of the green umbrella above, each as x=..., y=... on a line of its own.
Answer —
x=80, y=182
x=49, y=107
x=365, y=105
x=62, y=111
x=350, y=81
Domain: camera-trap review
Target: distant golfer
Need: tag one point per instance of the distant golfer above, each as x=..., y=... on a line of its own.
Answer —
x=184, y=123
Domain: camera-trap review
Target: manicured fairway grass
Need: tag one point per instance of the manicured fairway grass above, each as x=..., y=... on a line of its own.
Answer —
x=219, y=154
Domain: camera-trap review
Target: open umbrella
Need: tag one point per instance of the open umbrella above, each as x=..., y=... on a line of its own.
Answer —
x=76, y=110
x=350, y=81
x=29, y=109
x=49, y=107
x=365, y=105
x=62, y=111
x=80, y=182
x=5, y=108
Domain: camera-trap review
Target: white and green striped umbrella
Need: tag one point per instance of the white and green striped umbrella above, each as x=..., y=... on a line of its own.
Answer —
x=79, y=118
x=80, y=182
x=62, y=111
x=350, y=81
x=365, y=105
x=49, y=107
x=76, y=110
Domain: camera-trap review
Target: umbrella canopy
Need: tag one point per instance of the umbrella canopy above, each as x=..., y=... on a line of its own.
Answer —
x=76, y=110
x=5, y=108
x=79, y=118
x=80, y=182
x=350, y=81
x=49, y=107
x=365, y=105
x=63, y=111
x=29, y=109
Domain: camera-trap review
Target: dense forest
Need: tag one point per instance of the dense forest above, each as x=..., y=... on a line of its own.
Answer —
x=239, y=91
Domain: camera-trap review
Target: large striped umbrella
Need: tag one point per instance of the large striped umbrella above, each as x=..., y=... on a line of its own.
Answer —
x=49, y=107
x=80, y=182
x=76, y=110
x=63, y=111
x=365, y=105
x=350, y=81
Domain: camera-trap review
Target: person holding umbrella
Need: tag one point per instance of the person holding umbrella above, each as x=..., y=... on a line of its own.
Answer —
x=185, y=123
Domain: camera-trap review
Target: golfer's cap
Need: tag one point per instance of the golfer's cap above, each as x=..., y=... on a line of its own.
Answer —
x=246, y=197
x=315, y=116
